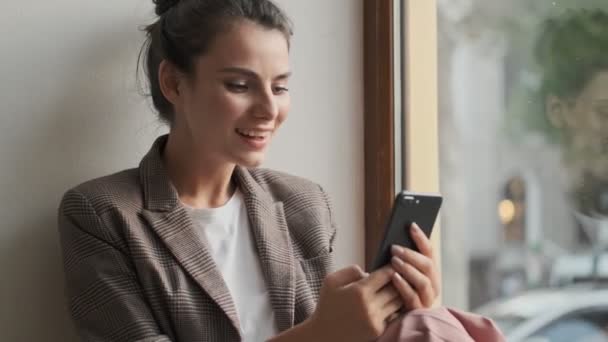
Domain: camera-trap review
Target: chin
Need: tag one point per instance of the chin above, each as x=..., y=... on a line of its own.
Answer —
x=251, y=161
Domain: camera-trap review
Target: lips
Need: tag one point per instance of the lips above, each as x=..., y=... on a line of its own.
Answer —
x=254, y=133
x=254, y=139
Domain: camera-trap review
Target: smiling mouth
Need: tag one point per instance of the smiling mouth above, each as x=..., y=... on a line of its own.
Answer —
x=252, y=134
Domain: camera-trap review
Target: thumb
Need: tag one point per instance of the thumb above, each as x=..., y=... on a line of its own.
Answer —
x=345, y=276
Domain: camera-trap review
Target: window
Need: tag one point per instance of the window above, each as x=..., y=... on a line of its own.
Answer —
x=511, y=97
x=523, y=134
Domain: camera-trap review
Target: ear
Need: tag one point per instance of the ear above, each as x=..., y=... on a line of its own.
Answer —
x=556, y=111
x=170, y=82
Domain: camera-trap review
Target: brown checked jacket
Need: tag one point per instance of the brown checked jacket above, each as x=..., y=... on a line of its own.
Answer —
x=136, y=269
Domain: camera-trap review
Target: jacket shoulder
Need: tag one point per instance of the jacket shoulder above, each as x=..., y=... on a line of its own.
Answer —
x=282, y=185
x=106, y=193
x=308, y=210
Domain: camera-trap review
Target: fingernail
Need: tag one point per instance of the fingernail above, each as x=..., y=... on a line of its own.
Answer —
x=397, y=261
x=395, y=249
x=415, y=228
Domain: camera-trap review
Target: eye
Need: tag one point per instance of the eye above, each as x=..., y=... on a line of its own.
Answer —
x=237, y=87
x=280, y=90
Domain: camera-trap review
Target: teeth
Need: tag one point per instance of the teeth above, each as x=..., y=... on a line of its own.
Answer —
x=253, y=134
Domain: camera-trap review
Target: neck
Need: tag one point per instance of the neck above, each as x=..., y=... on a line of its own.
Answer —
x=200, y=182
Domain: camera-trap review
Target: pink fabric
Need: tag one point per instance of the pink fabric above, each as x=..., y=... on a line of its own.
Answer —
x=440, y=325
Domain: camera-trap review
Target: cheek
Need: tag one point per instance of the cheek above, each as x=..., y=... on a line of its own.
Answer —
x=283, y=112
x=225, y=107
x=576, y=118
x=585, y=120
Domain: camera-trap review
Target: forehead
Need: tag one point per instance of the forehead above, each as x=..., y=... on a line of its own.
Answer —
x=597, y=88
x=250, y=45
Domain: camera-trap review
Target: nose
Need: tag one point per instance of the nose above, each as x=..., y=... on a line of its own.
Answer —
x=267, y=107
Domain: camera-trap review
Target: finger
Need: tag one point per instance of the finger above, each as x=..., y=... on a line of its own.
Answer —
x=409, y=296
x=394, y=315
x=345, y=276
x=386, y=295
x=391, y=308
x=420, y=282
x=422, y=241
x=421, y=262
x=378, y=279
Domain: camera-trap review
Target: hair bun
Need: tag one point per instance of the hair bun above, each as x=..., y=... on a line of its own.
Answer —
x=163, y=6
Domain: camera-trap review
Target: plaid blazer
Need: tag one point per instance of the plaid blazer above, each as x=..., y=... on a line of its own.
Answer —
x=136, y=270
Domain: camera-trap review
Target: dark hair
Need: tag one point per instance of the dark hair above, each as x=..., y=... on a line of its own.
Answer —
x=186, y=28
x=571, y=50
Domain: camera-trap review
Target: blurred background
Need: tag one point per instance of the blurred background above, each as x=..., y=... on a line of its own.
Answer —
x=523, y=133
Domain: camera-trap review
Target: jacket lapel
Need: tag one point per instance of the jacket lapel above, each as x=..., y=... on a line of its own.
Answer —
x=172, y=223
x=267, y=220
x=177, y=231
x=170, y=220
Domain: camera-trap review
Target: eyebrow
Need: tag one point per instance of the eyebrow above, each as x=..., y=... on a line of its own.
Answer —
x=251, y=73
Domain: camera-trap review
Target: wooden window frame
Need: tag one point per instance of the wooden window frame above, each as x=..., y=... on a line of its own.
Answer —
x=416, y=87
x=379, y=119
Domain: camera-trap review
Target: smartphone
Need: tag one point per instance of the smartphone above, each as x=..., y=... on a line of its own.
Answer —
x=409, y=207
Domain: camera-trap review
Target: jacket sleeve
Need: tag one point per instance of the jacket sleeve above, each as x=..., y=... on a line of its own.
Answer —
x=333, y=230
x=104, y=297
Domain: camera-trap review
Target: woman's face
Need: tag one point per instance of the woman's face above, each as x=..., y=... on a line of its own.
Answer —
x=584, y=121
x=238, y=96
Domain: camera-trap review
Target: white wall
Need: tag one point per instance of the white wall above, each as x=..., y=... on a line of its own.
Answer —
x=71, y=111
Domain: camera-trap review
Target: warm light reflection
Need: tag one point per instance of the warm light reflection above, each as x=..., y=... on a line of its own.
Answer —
x=506, y=211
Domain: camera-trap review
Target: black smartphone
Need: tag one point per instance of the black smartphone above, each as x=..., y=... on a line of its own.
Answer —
x=409, y=207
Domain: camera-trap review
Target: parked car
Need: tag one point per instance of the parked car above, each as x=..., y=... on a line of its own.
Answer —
x=574, y=314
x=572, y=268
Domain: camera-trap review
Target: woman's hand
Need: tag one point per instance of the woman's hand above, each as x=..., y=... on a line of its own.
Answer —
x=417, y=277
x=354, y=306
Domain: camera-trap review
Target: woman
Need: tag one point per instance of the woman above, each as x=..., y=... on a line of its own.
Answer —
x=571, y=54
x=197, y=244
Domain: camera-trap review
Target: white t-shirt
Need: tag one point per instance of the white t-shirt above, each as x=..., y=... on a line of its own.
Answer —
x=233, y=249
